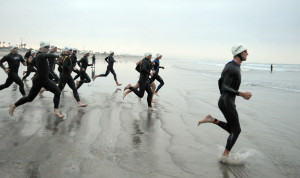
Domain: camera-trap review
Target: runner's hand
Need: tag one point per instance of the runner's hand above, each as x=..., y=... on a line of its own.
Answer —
x=246, y=95
x=6, y=70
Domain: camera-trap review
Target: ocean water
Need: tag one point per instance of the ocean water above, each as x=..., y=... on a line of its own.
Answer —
x=284, y=76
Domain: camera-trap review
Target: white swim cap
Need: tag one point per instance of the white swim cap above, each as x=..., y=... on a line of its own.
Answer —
x=111, y=52
x=53, y=46
x=237, y=49
x=13, y=47
x=32, y=51
x=147, y=54
x=158, y=55
x=86, y=52
x=44, y=43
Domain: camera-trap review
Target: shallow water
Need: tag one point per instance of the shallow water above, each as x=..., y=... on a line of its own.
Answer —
x=113, y=137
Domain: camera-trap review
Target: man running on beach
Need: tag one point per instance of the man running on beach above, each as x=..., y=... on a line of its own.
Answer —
x=40, y=80
x=229, y=84
x=110, y=68
x=84, y=63
x=155, y=73
x=66, y=68
x=145, y=70
x=13, y=59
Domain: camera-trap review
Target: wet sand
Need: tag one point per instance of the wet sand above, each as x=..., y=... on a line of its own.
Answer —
x=113, y=137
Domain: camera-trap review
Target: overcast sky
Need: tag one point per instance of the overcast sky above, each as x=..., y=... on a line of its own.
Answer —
x=186, y=29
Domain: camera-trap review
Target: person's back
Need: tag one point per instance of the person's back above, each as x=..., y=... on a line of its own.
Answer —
x=42, y=65
x=231, y=73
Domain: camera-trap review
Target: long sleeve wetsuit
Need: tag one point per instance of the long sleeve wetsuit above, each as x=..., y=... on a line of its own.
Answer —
x=13, y=61
x=229, y=84
x=156, y=76
x=66, y=78
x=84, y=77
x=145, y=68
x=110, y=67
x=52, y=74
x=41, y=79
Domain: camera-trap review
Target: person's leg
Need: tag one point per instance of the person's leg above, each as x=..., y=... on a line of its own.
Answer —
x=32, y=94
x=78, y=74
x=161, y=81
x=84, y=78
x=71, y=84
x=137, y=85
x=19, y=82
x=140, y=93
x=7, y=83
x=149, y=97
x=153, y=87
x=52, y=87
x=103, y=75
x=115, y=76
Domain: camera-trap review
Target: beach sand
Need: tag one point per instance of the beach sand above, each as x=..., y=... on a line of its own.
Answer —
x=113, y=137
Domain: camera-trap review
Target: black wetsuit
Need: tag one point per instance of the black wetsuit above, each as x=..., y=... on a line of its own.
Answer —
x=138, y=68
x=94, y=60
x=13, y=61
x=28, y=53
x=145, y=68
x=30, y=68
x=41, y=79
x=229, y=84
x=52, y=75
x=156, y=76
x=65, y=76
x=110, y=67
x=84, y=77
x=73, y=58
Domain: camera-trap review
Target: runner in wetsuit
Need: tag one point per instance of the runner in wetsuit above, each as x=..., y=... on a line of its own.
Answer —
x=40, y=80
x=52, y=61
x=84, y=63
x=30, y=67
x=145, y=69
x=229, y=84
x=156, y=70
x=65, y=77
x=13, y=59
x=110, y=60
x=26, y=56
x=74, y=62
x=137, y=85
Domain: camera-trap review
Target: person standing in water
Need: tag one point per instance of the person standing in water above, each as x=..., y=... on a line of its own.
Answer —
x=155, y=73
x=94, y=61
x=145, y=69
x=40, y=80
x=110, y=68
x=66, y=68
x=271, y=67
x=13, y=59
x=84, y=63
x=229, y=84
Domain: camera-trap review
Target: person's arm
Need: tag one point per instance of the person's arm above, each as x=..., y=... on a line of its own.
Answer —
x=67, y=64
x=144, y=68
x=4, y=59
x=138, y=62
x=229, y=77
x=49, y=55
x=80, y=62
x=106, y=59
x=23, y=61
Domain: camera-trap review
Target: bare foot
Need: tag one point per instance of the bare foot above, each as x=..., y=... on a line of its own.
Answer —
x=80, y=104
x=153, y=101
x=77, y=83
x=151, y=109
x=24, y=72
x=64, y=91
x=206, y=119
x=95, y=77
x=124, y=94
x=41, y=92
x=11, y=109
x=56, y=113
x=127, y=87
x=156, y=94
